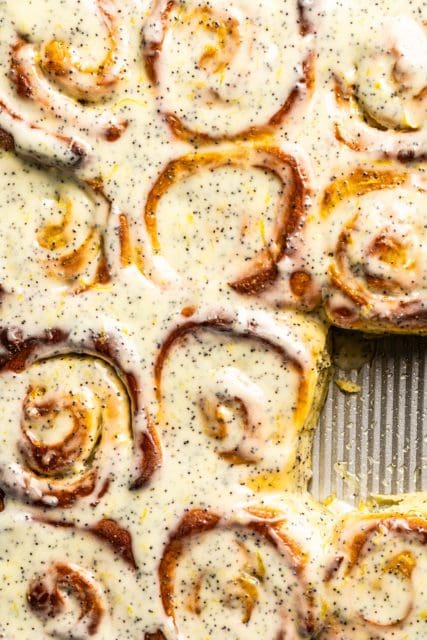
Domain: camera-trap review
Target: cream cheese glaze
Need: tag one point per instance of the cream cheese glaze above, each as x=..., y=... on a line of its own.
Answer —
x=176, y=176
x=206, y=87
x=375, y=586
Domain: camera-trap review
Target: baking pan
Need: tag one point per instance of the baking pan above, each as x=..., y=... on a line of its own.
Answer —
x=374, y=440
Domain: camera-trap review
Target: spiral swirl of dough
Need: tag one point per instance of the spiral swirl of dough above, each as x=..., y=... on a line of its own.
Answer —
x=197, y=58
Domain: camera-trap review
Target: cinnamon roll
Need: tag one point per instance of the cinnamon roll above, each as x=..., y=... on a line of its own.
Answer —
x=378, y=268
x=224, y=70
x=63, y=65
x=248, y=400
x=236, y=577
x=53, y=77
x=376, y=585
x=253, y=201
x=71, y=588
x=60, y=222
x=73, y=422
x=381, y=100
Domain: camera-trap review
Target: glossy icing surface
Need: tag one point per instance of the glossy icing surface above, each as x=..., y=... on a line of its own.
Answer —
x=189, y=194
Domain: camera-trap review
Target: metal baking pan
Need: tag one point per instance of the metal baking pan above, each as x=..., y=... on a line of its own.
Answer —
x=373, y=441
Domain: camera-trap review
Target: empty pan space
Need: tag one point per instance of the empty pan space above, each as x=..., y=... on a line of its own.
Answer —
x=373, y=441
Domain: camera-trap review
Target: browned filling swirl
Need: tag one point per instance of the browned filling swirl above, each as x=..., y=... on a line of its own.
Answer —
x=383, y=110
x=215, y=57
x=260, y=272
x=87, y=82
x=74, y=581
x=232, y=405
x=130, y=252
x=224, y=36
x=66, y=260
x=71, y=435
x=65, y=435
x=41, y=72
x=380, y=556
x=63, y=243
x=388, y=249
x=191, y=583
x=41, y=412
x=47, y=595
x=218, y=414
x=376, y=263
x=61, y=64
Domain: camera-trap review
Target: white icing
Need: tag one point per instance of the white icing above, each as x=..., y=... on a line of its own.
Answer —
x=147, y=298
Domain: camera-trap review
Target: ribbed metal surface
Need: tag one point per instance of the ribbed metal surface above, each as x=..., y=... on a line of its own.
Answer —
x=375, y=441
